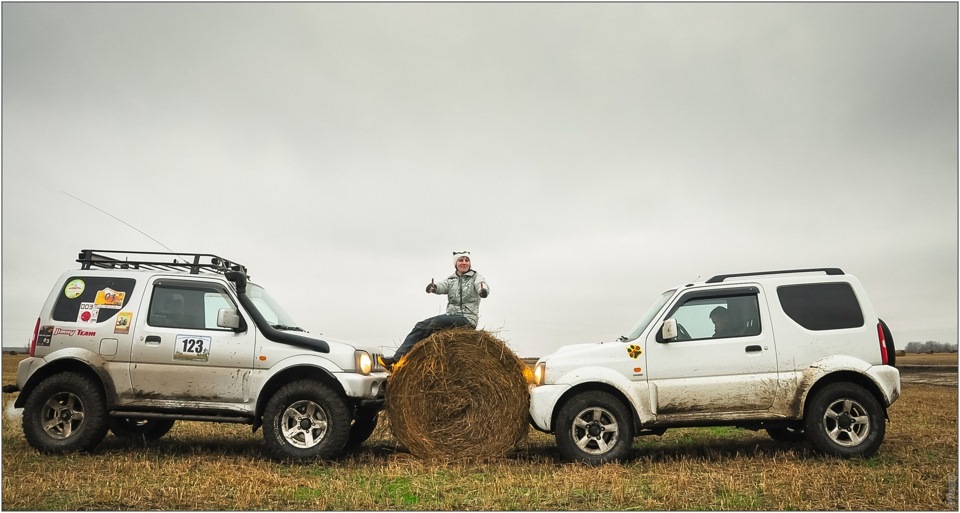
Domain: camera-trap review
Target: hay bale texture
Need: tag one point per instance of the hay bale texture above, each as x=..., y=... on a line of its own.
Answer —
x=459, y=394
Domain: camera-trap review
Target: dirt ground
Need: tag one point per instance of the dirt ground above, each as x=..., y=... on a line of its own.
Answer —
x=919, y=375
x=928, y=369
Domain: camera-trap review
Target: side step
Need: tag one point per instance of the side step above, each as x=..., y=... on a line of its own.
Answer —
x=181, y=416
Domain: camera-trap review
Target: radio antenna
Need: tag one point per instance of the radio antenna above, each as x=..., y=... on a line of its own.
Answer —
x=118, y=219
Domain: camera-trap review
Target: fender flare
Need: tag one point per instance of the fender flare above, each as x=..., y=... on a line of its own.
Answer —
x=603, y=379
x=73, y=359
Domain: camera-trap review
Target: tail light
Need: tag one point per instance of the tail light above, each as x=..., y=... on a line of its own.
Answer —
x=884, y=357
x=33, y=341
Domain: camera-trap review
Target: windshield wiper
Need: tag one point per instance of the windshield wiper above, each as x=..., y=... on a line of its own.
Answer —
x=622, y=338
x=284, y=327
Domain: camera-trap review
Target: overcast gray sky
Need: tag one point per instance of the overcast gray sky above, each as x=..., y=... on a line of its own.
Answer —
x=589, y=156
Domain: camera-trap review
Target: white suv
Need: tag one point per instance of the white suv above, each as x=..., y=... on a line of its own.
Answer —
x=799, y=353
x=133, y=341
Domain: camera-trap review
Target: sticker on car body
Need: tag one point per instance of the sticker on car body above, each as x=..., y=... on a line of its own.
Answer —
x=109, y=298
x=74, y=289
x=192, y=348
x=122, y=325
x=88, y=313
x=44, y=336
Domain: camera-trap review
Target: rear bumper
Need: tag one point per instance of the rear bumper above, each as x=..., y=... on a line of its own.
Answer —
x=887, y=379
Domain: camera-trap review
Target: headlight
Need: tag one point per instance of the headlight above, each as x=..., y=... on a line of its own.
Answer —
x=540, y=373
x=364, y=362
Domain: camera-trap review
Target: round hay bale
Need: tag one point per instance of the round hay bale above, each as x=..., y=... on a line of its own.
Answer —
x=459, y=394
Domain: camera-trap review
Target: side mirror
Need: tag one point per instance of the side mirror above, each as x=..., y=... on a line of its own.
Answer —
x=669, y=330
x=228, y=318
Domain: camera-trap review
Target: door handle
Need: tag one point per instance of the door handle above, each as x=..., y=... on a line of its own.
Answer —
x=153, y=339
x=753, y=349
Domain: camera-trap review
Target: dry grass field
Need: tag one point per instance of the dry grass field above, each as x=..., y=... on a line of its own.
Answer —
x=948, y=359
x=200, y=466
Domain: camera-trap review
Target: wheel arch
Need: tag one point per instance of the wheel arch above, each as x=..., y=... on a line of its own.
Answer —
x=845, y=376
x=66, y=365
x=594, y=386
x=289, y=375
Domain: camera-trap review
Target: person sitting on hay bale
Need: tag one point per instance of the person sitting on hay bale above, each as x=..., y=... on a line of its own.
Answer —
x=464, y=289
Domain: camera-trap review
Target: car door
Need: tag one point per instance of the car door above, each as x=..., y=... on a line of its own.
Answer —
x=711, y=369
x=178, y=351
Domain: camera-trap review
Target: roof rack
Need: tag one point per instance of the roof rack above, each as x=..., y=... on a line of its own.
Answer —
x=157, y=261
x=830, y=271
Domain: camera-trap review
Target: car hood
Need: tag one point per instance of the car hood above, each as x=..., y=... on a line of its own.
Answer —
x=571, y=351
x=349, y=344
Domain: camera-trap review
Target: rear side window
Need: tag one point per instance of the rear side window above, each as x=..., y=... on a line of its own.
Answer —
x=92, y=299
x=821, y=306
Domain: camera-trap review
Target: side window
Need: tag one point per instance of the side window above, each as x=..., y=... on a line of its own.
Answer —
x=724, y=316
x=92, y=299
x=187, y=305
x=821, y=306
x=212, y=303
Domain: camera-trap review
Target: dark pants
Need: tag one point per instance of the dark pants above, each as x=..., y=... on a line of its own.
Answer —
x=427, y=327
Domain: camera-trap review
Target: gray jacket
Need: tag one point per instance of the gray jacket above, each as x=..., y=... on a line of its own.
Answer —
x=463, y=294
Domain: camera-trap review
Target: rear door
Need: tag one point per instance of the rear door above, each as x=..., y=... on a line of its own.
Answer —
x=178, y=351
x=714, y=366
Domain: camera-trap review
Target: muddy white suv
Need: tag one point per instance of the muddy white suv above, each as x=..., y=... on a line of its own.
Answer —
x=134, y=341
x=799, y=353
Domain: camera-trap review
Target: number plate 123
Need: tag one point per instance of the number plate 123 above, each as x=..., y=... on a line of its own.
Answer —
x=192, y=348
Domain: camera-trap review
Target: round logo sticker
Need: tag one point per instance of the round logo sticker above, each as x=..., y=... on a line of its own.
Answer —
x=74, y=289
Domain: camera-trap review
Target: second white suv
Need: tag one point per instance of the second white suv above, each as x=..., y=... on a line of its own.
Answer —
x=133, y=341
x=799, y=353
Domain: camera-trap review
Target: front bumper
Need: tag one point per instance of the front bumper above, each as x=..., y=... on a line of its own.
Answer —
x=358, y=386
x=543, y=402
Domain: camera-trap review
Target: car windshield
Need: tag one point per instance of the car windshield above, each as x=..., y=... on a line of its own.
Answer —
x=269, y=308
x=647, y=317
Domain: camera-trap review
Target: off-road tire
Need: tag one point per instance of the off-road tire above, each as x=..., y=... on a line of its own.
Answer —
x=66, y=412
x=594, y=427
x=140, y=429
x=844, y=419
x=306, y=420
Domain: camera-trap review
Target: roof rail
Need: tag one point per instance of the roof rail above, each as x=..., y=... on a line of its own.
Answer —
x=157, y=261
x=830, y=271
